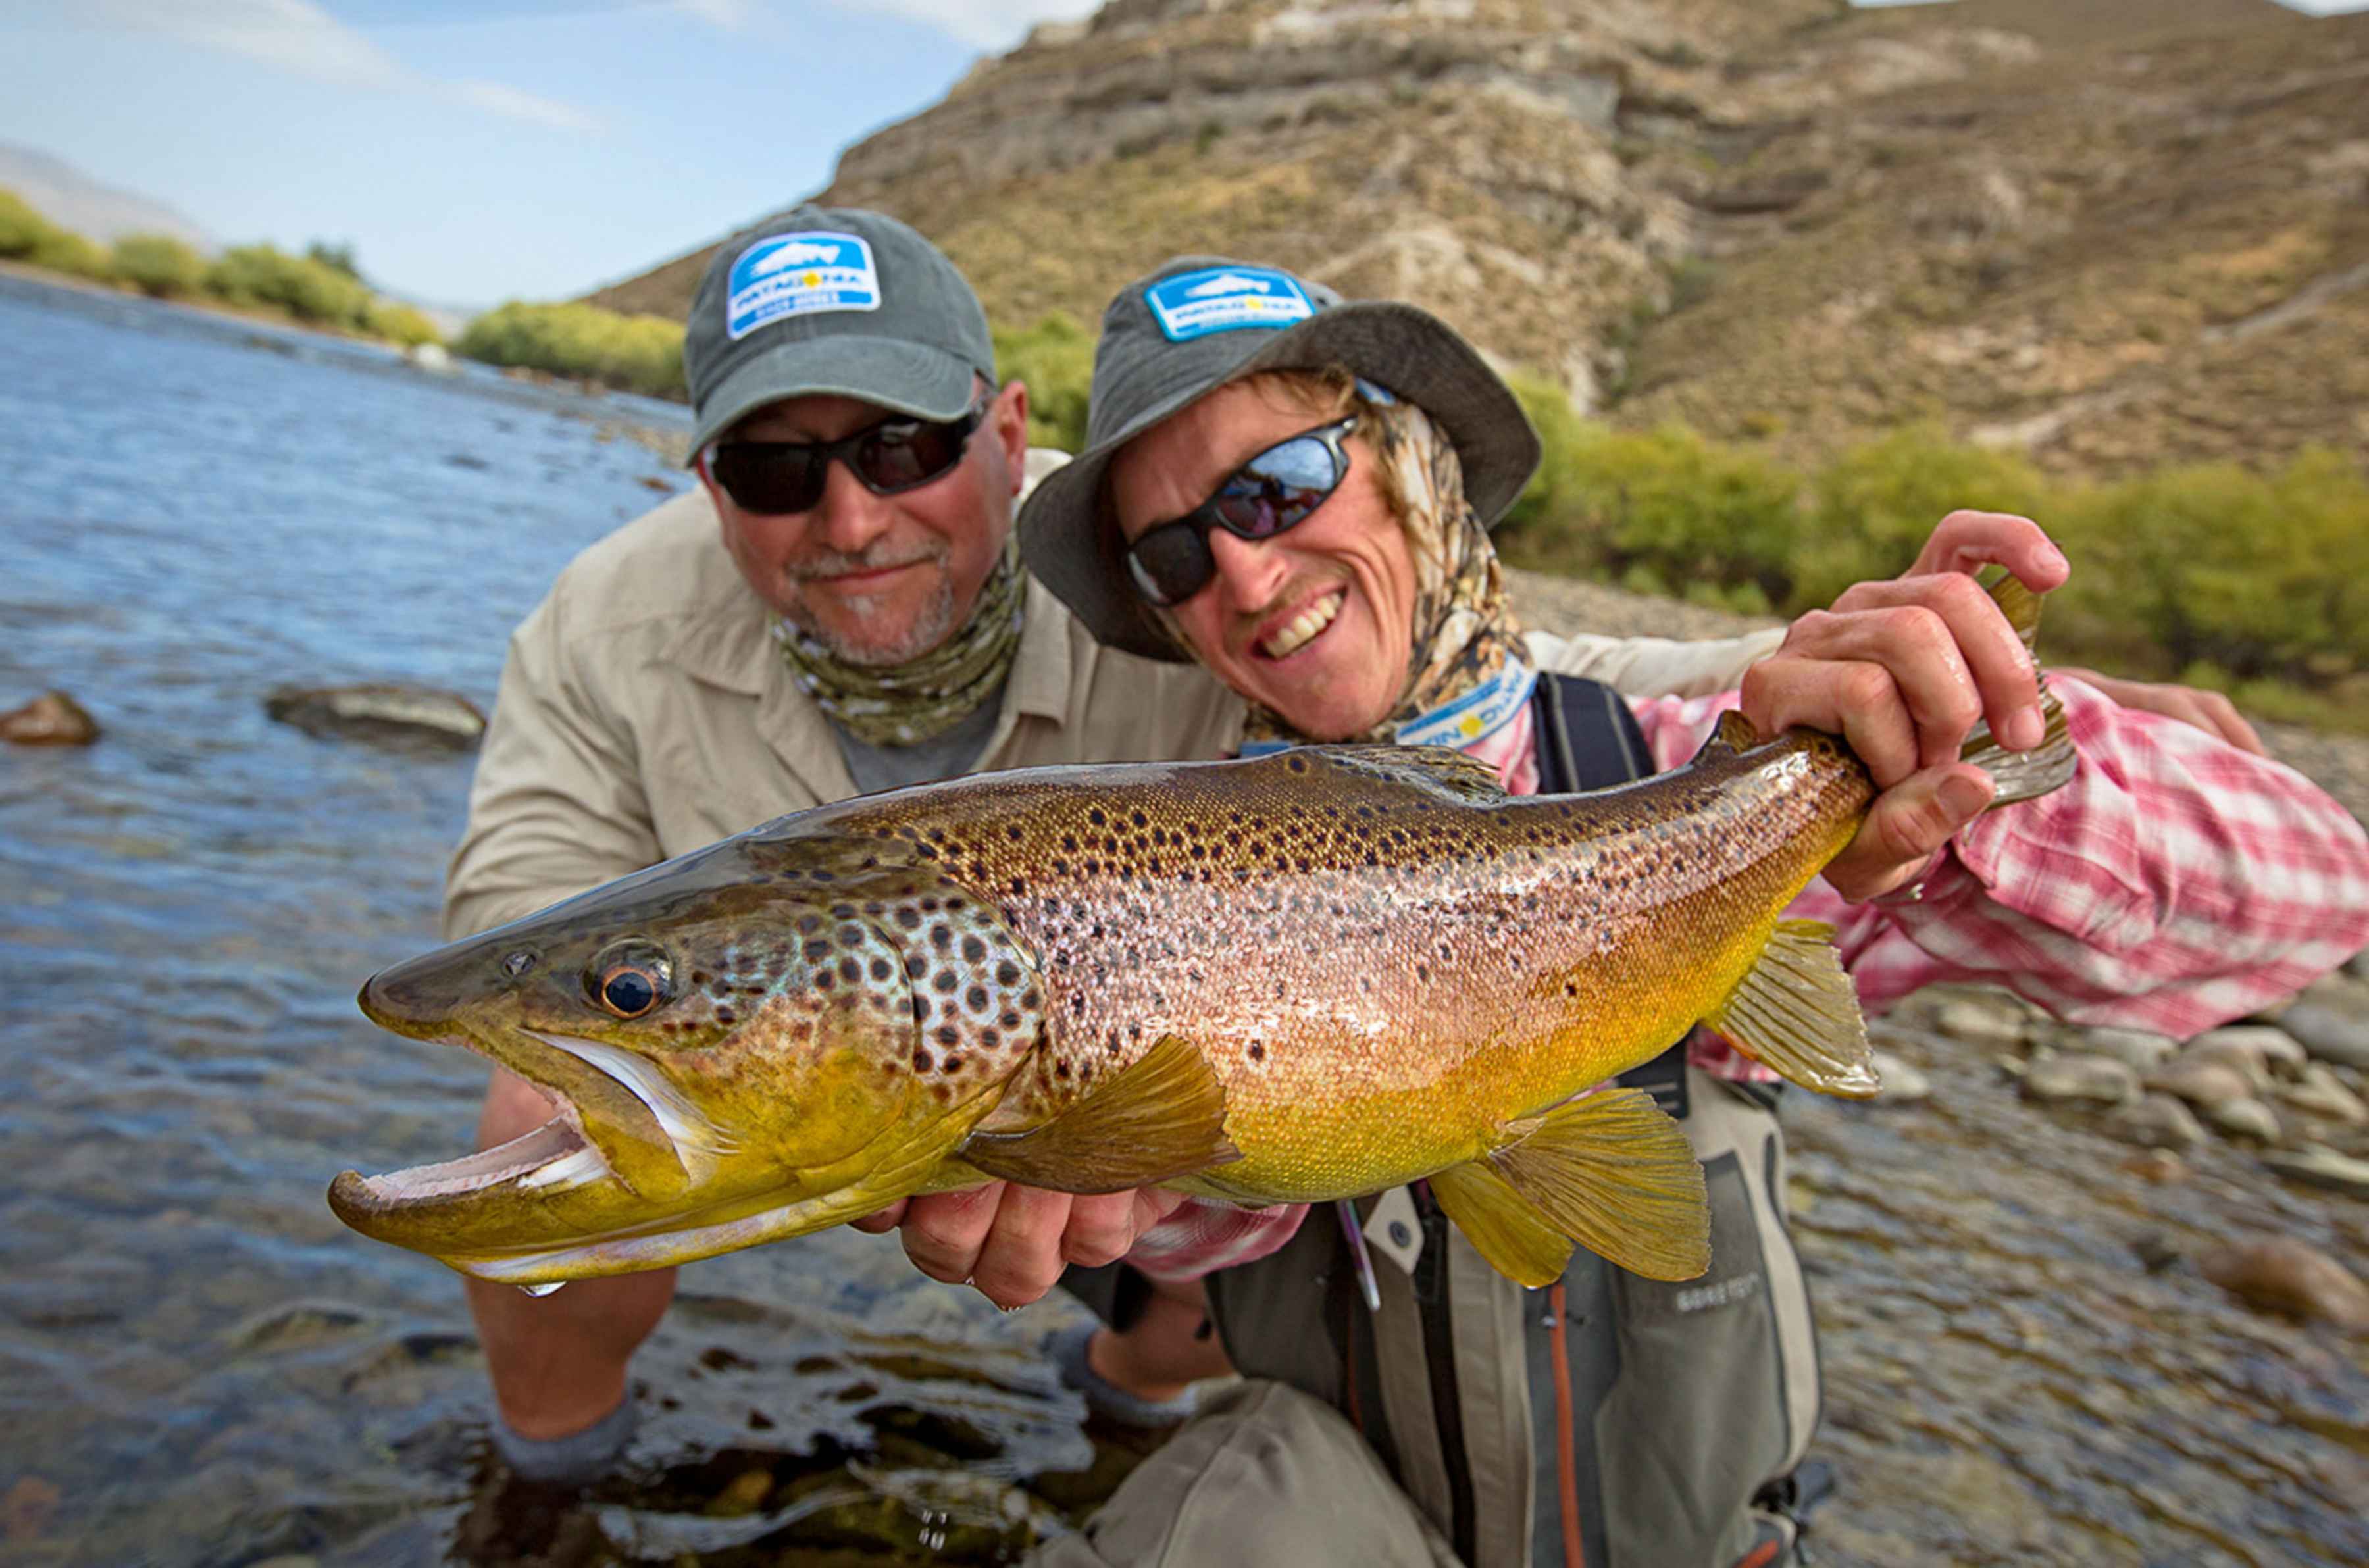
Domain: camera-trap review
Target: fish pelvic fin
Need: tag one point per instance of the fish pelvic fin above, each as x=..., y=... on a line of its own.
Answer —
x=1161, y=1117
x=1503, y=1227
x=1612, y=1171
x=1795, y=1011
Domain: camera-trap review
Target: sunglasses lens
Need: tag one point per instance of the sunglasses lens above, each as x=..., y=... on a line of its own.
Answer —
x=902, y=455
x=1170, y=565
x=1277, y=489
x=768, y=477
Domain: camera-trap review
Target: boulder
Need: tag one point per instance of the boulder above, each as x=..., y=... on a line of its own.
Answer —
x=2245, y=1118
x=2281, y=1273
x=2267, y=1052
x=53, y=718
x=2321, y=1093
x=388, y=712
x=2100, y=1081
x=2202, y=1084
x=2317, y=1165
x=2157, y=1121
x=2328, y=1034
x=1982, y=1020
x=2143, y=1050
x=1903, y=1084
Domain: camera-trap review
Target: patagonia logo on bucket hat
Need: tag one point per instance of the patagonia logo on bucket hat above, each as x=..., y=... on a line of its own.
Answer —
x=795, y=274
x=1224, y=298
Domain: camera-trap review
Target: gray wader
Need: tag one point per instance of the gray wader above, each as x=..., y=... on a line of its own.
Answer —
x=1476, y=1418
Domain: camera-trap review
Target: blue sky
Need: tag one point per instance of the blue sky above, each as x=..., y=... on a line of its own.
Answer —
x=472, y=153
x=477, y=152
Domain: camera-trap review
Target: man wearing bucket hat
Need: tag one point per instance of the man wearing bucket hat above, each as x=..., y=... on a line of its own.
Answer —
x=1295, y=493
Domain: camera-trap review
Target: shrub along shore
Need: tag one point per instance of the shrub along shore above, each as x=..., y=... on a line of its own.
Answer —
x=2253, y=582
x=252, y=278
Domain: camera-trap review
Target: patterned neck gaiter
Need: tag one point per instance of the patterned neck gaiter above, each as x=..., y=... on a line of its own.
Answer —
x=1466, y=642
x=904, y=705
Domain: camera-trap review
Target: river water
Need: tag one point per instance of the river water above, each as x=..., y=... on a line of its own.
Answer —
x=200, y=1365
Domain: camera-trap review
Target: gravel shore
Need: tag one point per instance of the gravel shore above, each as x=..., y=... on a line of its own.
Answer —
x=2338, y=763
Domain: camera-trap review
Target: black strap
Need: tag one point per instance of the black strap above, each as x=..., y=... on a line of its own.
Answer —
x=1588, y=738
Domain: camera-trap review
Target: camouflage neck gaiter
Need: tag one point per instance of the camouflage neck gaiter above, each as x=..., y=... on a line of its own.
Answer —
x=1465, y=637
x=904, y=705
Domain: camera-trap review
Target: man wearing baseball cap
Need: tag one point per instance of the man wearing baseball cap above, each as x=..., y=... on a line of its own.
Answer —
x=839, y=606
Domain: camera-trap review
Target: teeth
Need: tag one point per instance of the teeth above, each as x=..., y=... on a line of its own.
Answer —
x=1305, y=626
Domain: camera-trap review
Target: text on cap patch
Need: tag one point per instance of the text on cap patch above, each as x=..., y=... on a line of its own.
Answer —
x=794, y=274
x=1223, y=299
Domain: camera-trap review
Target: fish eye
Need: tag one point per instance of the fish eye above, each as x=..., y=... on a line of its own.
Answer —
x=630, y=980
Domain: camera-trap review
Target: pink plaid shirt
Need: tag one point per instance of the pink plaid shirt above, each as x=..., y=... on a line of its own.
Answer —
x=2175, y=884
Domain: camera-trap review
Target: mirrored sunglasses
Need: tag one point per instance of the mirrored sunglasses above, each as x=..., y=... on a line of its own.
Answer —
x=1271, y=494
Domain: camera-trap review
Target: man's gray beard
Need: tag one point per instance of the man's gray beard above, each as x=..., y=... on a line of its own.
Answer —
x=930, y=629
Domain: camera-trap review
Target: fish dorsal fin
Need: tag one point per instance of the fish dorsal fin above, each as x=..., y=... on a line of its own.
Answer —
x=1442, y=770
x=1161, y=1116
x=1514, y=1238
x=1611, y=1171
x=1794, y=1011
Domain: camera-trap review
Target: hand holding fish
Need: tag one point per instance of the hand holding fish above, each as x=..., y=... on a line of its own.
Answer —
x=1011, y=1241
x=1904, y=669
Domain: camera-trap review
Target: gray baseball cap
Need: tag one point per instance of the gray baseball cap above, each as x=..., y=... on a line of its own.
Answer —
x=836, y=300
x=1200, y=320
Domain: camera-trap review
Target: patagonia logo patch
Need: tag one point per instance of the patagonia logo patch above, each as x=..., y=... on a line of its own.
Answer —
x=795, y=274
x=1226, y=299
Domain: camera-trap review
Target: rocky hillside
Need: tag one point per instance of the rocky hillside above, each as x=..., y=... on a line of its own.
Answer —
x=2113, y=232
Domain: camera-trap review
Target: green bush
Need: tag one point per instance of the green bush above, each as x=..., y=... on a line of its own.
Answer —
x=638, y=353
x=159, y=265
x=264, y=275
x=22, y=230
x=2254, y=575
x=1870, y=509
x=65, y=251
x=1055, y=359
x=400, y=323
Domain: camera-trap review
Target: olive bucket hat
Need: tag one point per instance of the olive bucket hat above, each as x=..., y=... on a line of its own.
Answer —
x=1201, y=321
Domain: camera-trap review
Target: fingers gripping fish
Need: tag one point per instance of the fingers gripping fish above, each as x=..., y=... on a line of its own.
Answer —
x=1297, y=978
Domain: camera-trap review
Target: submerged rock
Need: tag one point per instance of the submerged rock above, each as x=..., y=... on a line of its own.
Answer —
x=2282, y=1274
x=2156, y=1122
x=2099, y=1079
x=2161, y=1166
x=388, y=713
x=2321, y=1093
x=2264, y=1052
x=1903, y=1084
x=1982, y=1020
x=2203, y=1084
x=53, y=718
x=2142, y=1049
x=2330, y=1034
x=2246, y=1118
x=2321, y=1166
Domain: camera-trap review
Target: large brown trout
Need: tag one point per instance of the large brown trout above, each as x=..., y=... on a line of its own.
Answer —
x=1307, y=976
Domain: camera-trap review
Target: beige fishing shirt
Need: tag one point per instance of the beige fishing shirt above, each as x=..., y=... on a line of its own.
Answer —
x=645, y=712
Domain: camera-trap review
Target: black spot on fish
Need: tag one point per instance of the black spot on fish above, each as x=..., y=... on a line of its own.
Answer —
x=944, y=980
x=817, y=950
x=1007, y=973
x=941, y=937
x=916, y=966
x=1094, y=816
x=975, y=998
x=946, y=1035
x=851, y=934
x=726, y=1015
x=850, y=970
x=879, y=968
x=923, y=1061
x=1258, y=1052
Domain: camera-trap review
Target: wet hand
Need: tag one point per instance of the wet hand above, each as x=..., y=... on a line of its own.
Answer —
x=1010, y=1242
x=1903, y=669
x=2210, y=712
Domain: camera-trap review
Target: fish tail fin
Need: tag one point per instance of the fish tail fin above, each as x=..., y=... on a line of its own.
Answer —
x=1794, y=1011
x=2023, y=775
x=1607, y=1170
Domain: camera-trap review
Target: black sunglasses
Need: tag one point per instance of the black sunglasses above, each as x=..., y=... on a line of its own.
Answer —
x=896, y=454
x=1271, y=494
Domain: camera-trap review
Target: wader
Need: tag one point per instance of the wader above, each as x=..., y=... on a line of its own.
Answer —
x=1634, y=1419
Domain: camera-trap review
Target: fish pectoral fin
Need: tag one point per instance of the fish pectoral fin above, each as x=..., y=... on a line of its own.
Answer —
x=1161, y=1116
x=1794, y=1011
x=1514, y=1238
x=1611, y=1171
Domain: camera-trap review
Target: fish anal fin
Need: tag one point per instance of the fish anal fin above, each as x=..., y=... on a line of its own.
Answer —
x=1611, y=1171
x=1502, y=1227
x=1161, y=1116
x=1735, y=731
x=1794, y=1011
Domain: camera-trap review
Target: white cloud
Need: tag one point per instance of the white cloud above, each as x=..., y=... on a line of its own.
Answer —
x=302, y=39
x=985, y=24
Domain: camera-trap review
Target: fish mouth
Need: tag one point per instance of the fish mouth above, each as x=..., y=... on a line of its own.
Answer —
x=617, y=1123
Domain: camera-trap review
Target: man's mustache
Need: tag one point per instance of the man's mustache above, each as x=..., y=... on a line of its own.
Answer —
x=828, y=564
